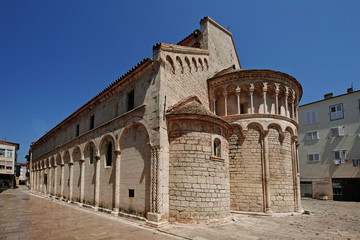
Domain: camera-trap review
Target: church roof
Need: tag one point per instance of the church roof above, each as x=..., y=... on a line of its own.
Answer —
x=190, y=106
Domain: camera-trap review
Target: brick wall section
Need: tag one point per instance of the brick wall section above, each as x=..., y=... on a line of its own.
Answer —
x=246, y=191
x=281, y=172
x=199, y=184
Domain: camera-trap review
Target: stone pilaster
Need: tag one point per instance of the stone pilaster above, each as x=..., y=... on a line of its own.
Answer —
x=117, y=182
x=277, y=90
x=71, y=175
x=97, y=182
x=264, y=95
x=55, y=180
x=49, y=180
x=266, y=171
x=286, y=102
x=62, y=181
x=82, y=180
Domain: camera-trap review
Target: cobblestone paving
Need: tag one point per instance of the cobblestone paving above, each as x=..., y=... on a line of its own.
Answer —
x=23, y=216
x=327, y=220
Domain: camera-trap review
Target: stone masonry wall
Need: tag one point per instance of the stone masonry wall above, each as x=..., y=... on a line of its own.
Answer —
x=199, y=183
x=246, y=190
x=281, y=172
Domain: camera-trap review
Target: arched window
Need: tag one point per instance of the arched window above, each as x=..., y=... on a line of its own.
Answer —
x=217, y=147
x=109, y=155
x=91, y=154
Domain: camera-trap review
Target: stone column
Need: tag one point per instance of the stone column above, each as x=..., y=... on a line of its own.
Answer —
x=238, y=91
x=292, y=108
x=286, y=103
x=55, y=179
x=225, y=101
x=266, y=165
x=71, y=175
x=97, y=182
x=264, y=94
x=117, y=182
x=297, y=113
x=49, y=180
x=82, y=180
x=154, y=216
x=41, y=180
x=62, y=182
x=296, y=176
x=277, y=90
x=252, y=98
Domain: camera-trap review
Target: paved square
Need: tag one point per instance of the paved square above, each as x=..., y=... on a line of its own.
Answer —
x=24, y=216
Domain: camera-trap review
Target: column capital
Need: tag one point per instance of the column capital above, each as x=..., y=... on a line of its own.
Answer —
x=82, y=160
x=117, y=151
x=252, y=88
x=97, y=158
x=264, y=133
x=238, y=90
x=225, y=93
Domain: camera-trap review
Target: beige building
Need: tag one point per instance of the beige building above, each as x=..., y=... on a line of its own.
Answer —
x=7, y=163
x=329, y=151
x=187, y=136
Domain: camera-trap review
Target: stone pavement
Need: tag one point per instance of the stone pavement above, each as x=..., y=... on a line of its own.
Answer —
x=24, y=216
x=327, y=220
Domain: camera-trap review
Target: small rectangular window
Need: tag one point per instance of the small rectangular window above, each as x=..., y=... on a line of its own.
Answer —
x=336, y=112
x=312, y=135
x=340, y=155
x=313, y=157
x=131, y=100
x=8, y=167
x=338, y=131
x=311, y=117
x=92, y=122
x=2, y=152
x=2, y=166
x=9, y=153
x=77, y=130
x=131, y=193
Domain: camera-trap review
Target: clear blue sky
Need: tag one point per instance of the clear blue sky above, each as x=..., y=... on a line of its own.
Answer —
x=57, y=55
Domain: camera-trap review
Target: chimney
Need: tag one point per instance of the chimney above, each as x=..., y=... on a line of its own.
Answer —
x=328, y=95
x=350, y=90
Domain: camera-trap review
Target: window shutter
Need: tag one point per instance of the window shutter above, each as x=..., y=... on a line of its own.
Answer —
x=313, y=117
x=308, y=117
x=341, y=131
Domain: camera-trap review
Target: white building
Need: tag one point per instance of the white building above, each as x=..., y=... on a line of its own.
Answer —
x=7, y=163
x=329, y=151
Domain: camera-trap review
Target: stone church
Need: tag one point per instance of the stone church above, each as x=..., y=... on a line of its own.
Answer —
x=187, y=136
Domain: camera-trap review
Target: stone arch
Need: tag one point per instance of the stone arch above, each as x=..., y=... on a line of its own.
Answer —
x=179, y=64
x=281, y=100
x=106, y=141
x=135, y=169
x=290, y=130
x=195, y=64
x=219, y=102
x=77, y=157
x=188, y=63
x=257, y=125
x=170, y=64
x=232, y=108
x=67, y=160
x=278, y=128
x=90, y=153
x=136, y=120
x=58, y=159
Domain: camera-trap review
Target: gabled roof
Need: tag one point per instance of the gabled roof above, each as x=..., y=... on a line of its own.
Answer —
x=17, y=145
x=191, y=105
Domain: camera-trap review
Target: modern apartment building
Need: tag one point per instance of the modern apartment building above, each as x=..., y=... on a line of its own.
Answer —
x=7, y=163
x=329, y=151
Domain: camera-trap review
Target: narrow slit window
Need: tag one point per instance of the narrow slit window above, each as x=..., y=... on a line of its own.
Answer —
x=131, y=193
x=92, y=122
x=77, y=130
x=109, y=155
x=217, y=147
x=131, y=100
